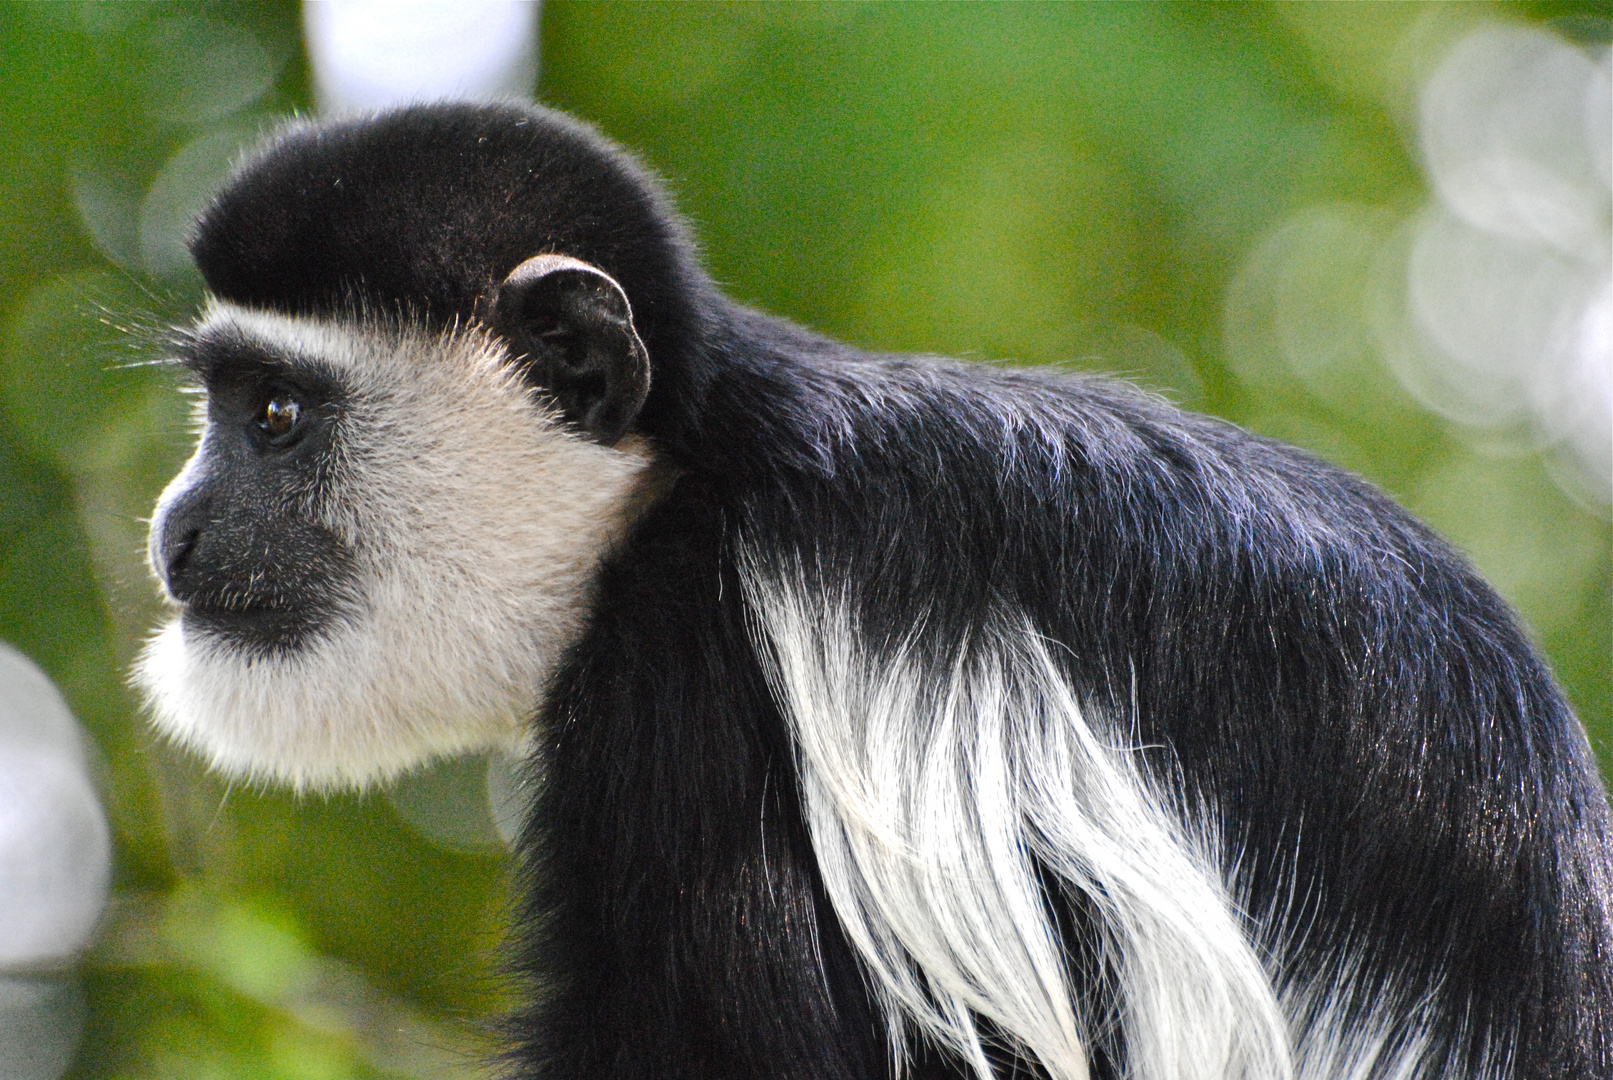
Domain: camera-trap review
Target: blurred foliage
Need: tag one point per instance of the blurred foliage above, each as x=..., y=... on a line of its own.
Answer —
x=1109, y=186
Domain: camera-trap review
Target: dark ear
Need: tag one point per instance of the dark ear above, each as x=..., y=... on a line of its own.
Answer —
x=570, y=323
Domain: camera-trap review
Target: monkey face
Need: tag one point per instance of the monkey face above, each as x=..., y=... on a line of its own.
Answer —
x=380, y=547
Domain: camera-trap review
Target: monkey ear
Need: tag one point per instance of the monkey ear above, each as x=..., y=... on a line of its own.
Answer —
x=571, y=324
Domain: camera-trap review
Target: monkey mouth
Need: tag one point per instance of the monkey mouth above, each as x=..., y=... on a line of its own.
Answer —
x=259, y=626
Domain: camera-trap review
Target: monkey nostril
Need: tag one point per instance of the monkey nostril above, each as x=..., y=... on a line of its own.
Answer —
x=177, y=558
x=179, y=541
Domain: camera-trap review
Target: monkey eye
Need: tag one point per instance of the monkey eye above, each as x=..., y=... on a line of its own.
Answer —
x=281, y=415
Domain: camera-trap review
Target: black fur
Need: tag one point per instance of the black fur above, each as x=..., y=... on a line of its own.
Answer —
x=1391, y=763
x=378, y=211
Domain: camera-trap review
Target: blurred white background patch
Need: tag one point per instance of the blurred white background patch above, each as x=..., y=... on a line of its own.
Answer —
x=475, y=804
x=369, y=54
x=1491, y=305
x=55, y=870
x=1510, y=273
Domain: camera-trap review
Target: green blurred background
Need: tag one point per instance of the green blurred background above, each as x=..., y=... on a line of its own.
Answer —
x=1087, y=185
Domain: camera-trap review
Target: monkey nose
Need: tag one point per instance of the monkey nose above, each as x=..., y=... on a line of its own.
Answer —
x=175, y=541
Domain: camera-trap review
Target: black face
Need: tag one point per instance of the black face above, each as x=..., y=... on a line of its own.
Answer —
x=241, y=547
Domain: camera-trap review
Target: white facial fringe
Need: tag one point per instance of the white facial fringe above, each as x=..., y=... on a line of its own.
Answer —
x=928, y=794
x=477, y=526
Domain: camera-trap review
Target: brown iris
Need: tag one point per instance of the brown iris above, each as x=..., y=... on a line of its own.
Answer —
x=281, y=415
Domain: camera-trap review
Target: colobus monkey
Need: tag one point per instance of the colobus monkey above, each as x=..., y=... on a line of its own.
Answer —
x=895, y=716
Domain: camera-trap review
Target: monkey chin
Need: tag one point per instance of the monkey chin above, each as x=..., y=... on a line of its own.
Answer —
x=333, y=714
